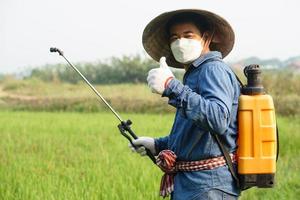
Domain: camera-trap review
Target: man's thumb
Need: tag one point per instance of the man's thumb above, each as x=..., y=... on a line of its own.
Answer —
x=162, y=62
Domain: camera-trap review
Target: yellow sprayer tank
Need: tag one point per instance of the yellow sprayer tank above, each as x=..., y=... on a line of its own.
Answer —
x=257, y=140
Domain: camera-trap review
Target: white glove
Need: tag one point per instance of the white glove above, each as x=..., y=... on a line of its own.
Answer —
x=158, y=77
x=141, y=144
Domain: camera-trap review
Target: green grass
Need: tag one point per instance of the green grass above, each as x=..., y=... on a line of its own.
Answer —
x=83, y=156
x=36, y=87
x=36, y=95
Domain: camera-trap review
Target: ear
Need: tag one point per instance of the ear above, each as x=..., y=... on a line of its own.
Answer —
x=207, y=38
x=205, y=35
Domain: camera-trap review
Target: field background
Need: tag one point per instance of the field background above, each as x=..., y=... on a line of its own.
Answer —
x=82, y=156
x=58, y=142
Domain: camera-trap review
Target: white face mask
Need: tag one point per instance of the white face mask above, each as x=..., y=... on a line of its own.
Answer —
x=186, y=50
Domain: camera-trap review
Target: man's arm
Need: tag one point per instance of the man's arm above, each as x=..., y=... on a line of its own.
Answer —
x=211, y=108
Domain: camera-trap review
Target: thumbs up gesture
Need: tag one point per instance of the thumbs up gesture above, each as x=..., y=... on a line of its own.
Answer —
x=158, y=78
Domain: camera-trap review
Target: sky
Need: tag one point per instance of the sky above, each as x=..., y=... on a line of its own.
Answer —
x=93, y=30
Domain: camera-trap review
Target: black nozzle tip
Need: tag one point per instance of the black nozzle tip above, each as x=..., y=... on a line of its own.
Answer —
x=54, y=49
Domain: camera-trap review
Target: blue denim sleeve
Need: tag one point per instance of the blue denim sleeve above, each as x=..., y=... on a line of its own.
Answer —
x=161, y=143
x=211, y=108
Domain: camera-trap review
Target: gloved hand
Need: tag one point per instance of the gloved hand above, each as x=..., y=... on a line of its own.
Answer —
x=158, y=78
x=141, y=143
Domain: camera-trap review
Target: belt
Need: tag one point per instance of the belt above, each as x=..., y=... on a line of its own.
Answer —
x=166, y=161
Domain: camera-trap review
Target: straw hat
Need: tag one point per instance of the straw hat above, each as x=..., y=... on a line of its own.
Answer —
x=156, y=41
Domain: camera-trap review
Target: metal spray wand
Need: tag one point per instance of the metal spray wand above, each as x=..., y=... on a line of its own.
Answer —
x=124, y=126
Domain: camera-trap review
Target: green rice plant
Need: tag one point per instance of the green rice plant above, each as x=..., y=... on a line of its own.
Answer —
x=71, y=155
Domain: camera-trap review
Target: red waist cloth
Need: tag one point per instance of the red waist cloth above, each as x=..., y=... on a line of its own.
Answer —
x=166, y=160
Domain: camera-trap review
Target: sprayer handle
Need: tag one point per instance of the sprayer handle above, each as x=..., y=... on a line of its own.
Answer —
x=125, y=126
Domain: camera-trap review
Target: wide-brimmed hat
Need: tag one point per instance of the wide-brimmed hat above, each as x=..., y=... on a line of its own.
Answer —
x=156, y=39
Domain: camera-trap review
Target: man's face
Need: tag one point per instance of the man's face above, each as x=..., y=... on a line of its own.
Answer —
x=184, y=30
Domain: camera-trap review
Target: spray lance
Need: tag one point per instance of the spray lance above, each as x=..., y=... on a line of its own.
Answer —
x=124, y=126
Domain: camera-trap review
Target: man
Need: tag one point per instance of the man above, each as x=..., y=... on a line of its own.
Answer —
x=206, y=102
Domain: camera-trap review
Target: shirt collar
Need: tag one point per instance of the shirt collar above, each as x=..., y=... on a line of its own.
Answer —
x=205, y=57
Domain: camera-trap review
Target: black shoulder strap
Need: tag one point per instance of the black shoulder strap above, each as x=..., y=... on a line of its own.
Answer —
x=238, y=79
x=227, y=158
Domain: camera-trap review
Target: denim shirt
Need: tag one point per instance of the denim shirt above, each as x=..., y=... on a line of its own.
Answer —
x=206, y=101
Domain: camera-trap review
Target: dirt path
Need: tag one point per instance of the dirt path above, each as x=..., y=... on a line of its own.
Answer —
x=2, y=92
x=16, y=96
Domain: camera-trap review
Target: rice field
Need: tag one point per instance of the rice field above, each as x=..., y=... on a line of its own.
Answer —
x=67, y=155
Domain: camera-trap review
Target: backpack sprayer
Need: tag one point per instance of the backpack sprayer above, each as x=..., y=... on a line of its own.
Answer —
x=124, y=126
x=258, y=144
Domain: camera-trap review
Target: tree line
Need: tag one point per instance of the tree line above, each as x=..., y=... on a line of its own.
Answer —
x=127, y=69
